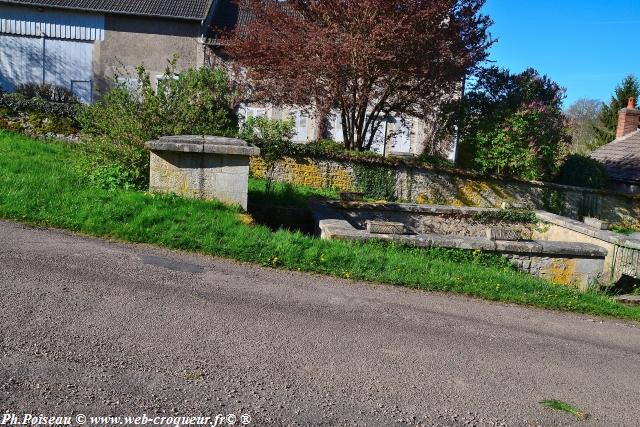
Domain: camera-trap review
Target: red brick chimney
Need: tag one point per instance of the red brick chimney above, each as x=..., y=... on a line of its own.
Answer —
x=628, y=119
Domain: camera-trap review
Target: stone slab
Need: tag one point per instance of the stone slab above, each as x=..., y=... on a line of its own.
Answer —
x=351, y=196
x=385, y=227
x=596, y=223
x=499, y=233
x=628, y=299
x=572, y=264
x=582, y=228
x=199, y=139
x=203, y=144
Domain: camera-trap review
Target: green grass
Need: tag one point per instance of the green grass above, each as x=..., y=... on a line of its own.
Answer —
x=39, y=185
x=622, y=229
x=287, y=195
x=558, y=405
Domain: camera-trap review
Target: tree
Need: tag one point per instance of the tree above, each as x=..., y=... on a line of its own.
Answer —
x=608, y=117
x=364, y=58
x=513, y=124
x=583, y=123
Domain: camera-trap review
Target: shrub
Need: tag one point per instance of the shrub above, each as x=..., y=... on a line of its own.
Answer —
x=48, y=92
x=582, y=171
x=37, y=116
x=113, y=176
x=197, y=102
x=430, y=159
x=274, y=139
x=514, y=125
x=320, y=148
x=16, y=103
x=553, y=201
x=112, y=165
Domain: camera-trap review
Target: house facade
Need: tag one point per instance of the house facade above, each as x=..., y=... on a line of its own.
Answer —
x=621, y=157
x=395, y=136
x=82, y=45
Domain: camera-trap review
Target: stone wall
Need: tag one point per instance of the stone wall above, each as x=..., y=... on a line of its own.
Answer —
x=623, y=253
x=565, y=263
x=459, y=188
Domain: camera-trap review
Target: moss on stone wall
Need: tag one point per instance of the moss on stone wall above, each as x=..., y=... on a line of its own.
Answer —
x=431, y=186
x=307, y=172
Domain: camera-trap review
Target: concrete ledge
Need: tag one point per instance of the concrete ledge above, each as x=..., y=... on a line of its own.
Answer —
x=580, y=227
x=203, y=144
x=333, y=224
x=410, y=208
x=567, y=263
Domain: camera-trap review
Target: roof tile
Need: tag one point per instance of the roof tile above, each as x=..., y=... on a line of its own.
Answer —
x=181, y=9
x=621, y=158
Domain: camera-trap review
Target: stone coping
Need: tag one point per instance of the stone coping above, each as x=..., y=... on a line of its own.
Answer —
x=203, y=144
x=580, y=227
x=409, y=208
x=410, y=163
x=333, y=225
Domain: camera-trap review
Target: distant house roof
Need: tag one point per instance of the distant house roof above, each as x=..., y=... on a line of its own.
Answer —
x=621, y=158
x=179, y=9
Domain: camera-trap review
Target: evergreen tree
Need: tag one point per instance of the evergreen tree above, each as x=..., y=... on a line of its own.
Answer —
x=608, y=117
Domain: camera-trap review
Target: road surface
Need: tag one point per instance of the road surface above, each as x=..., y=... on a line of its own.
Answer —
x=101, y=328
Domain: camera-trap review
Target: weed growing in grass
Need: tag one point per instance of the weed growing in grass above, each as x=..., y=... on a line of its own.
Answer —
x=38, y=187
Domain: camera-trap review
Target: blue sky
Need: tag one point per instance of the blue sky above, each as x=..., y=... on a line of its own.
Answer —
x=586, y=46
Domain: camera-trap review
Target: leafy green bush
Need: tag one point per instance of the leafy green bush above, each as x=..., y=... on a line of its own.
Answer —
x=16, y=103
x=437, y=161
x=320, y=148
x=48, y=92
x=197, y=102
x=110, y=165
x=582, y=171
x=112, y=176
x=273, y=137
x=514, y=125
x=553, y=201
x=37, y=116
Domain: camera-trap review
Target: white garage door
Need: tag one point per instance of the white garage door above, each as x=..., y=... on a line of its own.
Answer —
x=65, y=63
x=62, y=58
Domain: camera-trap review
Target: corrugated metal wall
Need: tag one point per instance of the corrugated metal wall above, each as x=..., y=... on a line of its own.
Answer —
x=53, y=23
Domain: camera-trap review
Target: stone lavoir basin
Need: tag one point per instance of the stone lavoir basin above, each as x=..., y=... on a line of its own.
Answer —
x=552, y=247
x=203, y=167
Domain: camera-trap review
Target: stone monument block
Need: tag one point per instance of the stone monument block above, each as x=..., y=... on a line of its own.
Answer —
x=202, y=167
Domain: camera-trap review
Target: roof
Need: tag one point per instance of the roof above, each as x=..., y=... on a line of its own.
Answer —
x=228, y=15
x=621, y=158
x=179, y=9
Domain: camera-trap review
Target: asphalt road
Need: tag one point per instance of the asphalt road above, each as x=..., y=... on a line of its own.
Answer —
x=104, y=328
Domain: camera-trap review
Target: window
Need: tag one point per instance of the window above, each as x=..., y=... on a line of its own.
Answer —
x=254, y=112
x=162, y=80
x=302, y=126
x=131, y=84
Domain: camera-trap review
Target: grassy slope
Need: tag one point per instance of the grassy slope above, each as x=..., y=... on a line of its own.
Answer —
x=38, y=185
